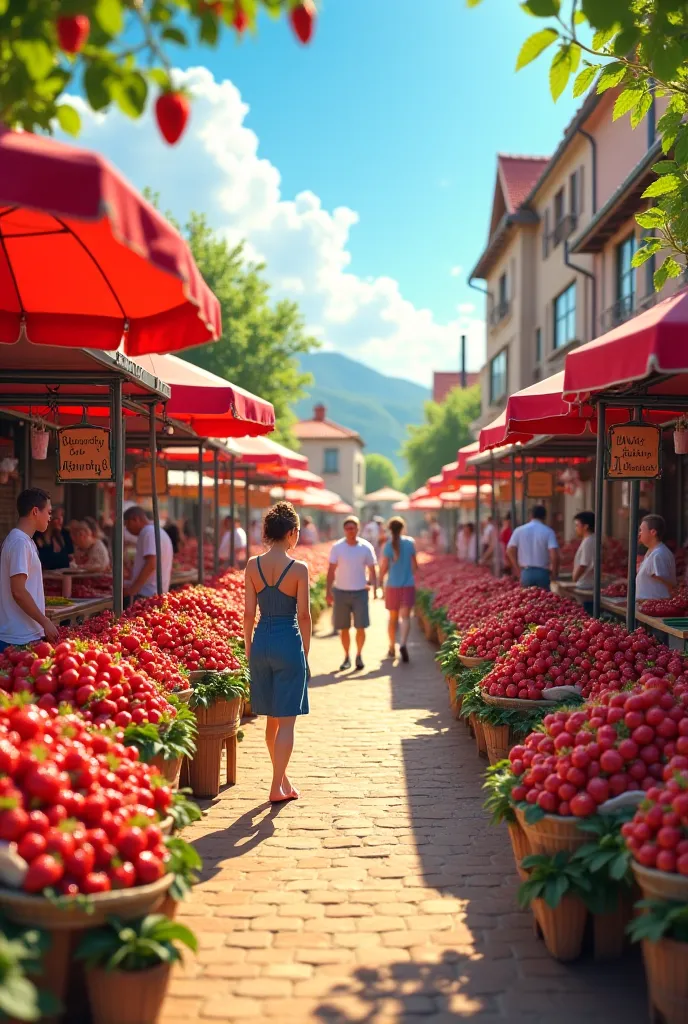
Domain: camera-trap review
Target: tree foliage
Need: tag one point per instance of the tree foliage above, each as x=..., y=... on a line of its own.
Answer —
x=128, y=49
x=640, y=48
x=446, y=429
x=261, y=339
x=380, y=472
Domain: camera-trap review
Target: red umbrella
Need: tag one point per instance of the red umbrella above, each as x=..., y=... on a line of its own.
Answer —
x=210, y=404
x=86, y=262
x=652, y=342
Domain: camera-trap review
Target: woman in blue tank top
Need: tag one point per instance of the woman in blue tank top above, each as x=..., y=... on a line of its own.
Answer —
x=399, y=564
x=277, y=651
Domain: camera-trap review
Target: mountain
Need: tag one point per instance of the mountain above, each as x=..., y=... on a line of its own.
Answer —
x=378, y=407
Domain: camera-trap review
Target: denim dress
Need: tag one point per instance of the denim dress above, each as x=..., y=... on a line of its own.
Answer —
x=278, y=665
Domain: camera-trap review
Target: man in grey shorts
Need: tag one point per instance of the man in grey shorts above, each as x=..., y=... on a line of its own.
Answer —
x=352, y=572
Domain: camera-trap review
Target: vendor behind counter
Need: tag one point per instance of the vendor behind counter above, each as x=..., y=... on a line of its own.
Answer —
x=55, y=546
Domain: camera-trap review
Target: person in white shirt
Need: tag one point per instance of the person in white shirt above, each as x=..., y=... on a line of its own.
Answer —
x=491, y=550
x=22, y=597
x=143, y=582
x=584, y=558
x=352, y=572
x=309, y=531
x=466, y=543
x=656, y=576
x=534, y=551
x=224, y=552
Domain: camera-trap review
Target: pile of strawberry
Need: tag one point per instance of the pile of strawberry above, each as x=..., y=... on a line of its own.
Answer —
x=496, y=634
x=585, y=757
x=106, y=691
x=658, y=835
x=617, y=589
x=78, y=809
x=667, y=607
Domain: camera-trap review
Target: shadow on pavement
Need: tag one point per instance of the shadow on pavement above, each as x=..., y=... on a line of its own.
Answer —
x=243, y=835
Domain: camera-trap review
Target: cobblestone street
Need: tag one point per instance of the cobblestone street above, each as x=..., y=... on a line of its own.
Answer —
x=382, y=894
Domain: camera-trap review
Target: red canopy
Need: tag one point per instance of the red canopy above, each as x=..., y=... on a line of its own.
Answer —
x=263, y=452
x=465, y=453
x=85, y=261
x=210, y=404
x=652, y=342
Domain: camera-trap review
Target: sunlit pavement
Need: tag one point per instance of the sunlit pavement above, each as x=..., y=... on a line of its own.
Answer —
x=382, y=894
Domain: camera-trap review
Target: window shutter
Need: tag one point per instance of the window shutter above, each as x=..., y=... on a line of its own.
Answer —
x=545, y=235
x=547, y=330
x=581, y=189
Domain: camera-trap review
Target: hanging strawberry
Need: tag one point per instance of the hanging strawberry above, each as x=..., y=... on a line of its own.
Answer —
x=240, y=19
x=302, y=19
x=172, y=111
x=72, y=32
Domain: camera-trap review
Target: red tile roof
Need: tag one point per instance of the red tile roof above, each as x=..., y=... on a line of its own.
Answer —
x=443, y=383
x=518, y=175
x=322, y=430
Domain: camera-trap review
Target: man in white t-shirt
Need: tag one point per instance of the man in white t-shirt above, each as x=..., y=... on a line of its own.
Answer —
x=534, y=551
x=143, y=581
x=22, y=598
x=352, y=571
x=584, y=558
x=656, y=576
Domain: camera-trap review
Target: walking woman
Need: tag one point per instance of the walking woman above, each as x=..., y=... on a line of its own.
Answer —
x=278, y=650
x=399, y=564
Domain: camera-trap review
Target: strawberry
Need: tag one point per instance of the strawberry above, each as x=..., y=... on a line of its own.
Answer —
x=172, y=112
x=72, y=32
x=302, y=19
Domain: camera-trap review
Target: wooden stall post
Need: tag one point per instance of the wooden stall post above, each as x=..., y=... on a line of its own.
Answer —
x=216, y=512
x=118, y=473
x=599, y=499
x=152, y=441
x=201, y=525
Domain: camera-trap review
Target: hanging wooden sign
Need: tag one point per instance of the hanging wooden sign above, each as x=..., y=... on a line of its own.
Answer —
x=539, y=484
x=83, y=454
x=633, y=452
x=143, y=480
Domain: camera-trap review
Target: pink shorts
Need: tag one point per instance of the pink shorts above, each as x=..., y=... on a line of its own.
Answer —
x=399, y=597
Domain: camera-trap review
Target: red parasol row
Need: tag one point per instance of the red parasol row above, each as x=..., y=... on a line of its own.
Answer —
x=86, y=262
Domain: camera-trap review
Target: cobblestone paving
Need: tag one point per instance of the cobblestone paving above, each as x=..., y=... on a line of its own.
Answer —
x=382, y=895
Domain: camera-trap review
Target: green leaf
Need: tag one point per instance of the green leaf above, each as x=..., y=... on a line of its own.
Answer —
x=130, y=94
x=108, y=15
x=612, y=76
x=663, y=186
x=68, y=119
x=584, y=79
x=174, y=35
x=542, y=8
x=670, y=268
x=665, y=167
x=606, y=14
x=642, y=109
x=626, y=41
x=681, y=147
x=667, y=57
x=559, y=71
x=160, y=77
x=602, y=37
x=627, y=100
x=535, y=45
x=35, y=55
x=97, y=83
x=208, y=30
x=18, y=997
x=652, y=218
x=619, y=867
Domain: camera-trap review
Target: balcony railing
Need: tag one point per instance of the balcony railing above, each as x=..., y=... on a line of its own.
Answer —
x=564, y=229
x=499, y=311
x=628, y=306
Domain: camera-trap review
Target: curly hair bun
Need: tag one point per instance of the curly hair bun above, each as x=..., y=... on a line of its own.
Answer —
x=281, y=520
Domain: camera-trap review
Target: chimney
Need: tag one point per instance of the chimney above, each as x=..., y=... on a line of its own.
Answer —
x=319, y=412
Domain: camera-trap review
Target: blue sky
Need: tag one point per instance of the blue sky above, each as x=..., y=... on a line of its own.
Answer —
x=394, y=114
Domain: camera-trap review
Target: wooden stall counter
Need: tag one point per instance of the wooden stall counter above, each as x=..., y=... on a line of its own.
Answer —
x=76, y=610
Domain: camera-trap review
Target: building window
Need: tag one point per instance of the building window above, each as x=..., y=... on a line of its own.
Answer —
x=625, y=276
x=358, y=474
x=538, y=345
x=545, y=235
x=565, y=317
x=502, y=290
x=331, y=460
x=498, y=382
x=573, y=194
x=558, y=214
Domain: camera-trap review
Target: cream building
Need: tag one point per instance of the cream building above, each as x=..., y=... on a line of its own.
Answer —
x=334, y=453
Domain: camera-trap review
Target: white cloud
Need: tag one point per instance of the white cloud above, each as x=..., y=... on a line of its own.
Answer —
x=455, y=271
x=216, y=168
x=465, y=308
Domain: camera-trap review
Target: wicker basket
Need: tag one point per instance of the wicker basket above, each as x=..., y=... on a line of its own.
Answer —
x=497, y=741
x=516, y=704
x=666, y=966
x=169, y=768
x=520, y=846
x=123, y=903
x=563, y=928
x=183, y=695
x=660, y=885
x=473, y=662
x=552, y=834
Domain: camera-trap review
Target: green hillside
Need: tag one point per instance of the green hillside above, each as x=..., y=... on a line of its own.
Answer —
x=378, y=407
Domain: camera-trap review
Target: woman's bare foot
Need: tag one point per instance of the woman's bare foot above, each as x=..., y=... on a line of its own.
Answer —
x=291, y=790
x=278, y=796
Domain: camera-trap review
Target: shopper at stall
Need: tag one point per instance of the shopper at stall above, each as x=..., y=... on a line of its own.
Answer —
x=278, y=649
x=534, y=551
x=584, y=558
x=309, y=532
x=399, y=563
x=466, y=543
x=239, y=541
x=172, y=531
x=144, y=572
x=352, y=572
x=491, y=552
x=55, y=543
x=656, y=576
x=90, y=553
x=22, y=598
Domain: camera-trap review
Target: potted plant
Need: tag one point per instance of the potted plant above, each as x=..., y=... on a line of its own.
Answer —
x=184, y=861
x=499, y=781
x=607, y=859
x=216, y=702
x=128, y=967
x=166, y=743
x=662, y=928
x=555, y=888
x=21, y=955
